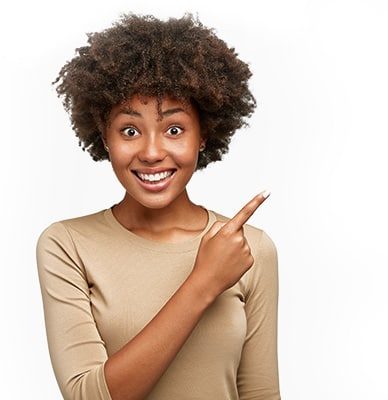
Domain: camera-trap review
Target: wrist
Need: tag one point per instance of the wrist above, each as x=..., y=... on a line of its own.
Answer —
x=200, y=290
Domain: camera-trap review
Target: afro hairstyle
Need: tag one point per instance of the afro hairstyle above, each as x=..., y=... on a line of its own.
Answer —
x=140, y=54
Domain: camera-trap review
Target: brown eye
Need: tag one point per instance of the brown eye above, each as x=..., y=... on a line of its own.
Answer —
x=173, y=130
x=130, y=129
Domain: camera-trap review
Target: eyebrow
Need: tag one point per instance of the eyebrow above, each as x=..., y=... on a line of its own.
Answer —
x=130, y=111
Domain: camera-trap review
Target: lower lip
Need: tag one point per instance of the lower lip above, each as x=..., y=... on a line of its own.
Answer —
x=156, y=187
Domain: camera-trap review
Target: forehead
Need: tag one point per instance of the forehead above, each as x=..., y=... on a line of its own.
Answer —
x=138, y=104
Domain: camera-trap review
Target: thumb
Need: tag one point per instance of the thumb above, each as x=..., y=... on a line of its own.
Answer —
x=214, y=229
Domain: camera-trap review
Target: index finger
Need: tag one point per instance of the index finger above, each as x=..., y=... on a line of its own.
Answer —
x=242, y=216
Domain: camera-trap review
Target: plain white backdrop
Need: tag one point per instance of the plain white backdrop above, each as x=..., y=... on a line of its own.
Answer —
x=317, y=141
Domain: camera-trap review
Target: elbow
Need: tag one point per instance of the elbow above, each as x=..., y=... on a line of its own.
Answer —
x=90, y=385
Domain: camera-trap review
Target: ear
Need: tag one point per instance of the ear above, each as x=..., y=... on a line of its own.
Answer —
x=101, y=127
x=103, y=138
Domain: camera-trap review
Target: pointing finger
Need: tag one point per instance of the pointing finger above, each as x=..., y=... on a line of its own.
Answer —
x=242, y=216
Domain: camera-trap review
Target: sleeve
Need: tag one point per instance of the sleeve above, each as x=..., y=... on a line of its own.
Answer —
x=77, y=352
x=257, y=376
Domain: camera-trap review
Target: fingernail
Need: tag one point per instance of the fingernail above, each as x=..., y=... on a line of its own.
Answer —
x=266, y=193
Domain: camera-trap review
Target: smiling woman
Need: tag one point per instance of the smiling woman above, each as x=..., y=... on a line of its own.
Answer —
x=156, y=297
x=139, y=142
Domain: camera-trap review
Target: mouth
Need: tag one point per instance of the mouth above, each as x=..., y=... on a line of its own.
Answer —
x=155, y=185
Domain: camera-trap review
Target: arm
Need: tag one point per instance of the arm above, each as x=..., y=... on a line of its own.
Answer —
x=78, y=354
x=257, y=377
x=133, y=371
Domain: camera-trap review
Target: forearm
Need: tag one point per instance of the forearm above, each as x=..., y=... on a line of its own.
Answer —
x=133, y=371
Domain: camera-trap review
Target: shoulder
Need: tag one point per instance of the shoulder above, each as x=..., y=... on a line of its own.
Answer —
x=65, y=228
x=61, y=244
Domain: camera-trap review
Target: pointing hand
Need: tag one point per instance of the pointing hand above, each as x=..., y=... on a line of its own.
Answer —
x=224, y=254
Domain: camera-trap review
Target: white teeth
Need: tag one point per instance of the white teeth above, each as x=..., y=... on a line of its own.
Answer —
x=155, y=177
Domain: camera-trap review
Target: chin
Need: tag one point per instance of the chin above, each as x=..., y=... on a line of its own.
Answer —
x=155, y=203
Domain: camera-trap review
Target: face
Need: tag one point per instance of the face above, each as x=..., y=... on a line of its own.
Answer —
x=141, y=143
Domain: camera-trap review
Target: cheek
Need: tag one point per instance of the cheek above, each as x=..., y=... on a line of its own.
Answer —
x=122, y=154
x=185, y=154
x=120, y=163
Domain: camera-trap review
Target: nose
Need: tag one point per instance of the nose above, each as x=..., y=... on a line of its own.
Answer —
x=152, y=149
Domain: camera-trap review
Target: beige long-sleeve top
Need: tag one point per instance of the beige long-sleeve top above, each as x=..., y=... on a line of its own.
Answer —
x=101, y=284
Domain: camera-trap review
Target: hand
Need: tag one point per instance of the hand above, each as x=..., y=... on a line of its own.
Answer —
x=224, y=254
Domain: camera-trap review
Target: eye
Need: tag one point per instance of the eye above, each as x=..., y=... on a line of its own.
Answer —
x=131, y=130
x=175, y=127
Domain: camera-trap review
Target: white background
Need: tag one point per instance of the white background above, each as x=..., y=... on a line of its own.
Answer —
x=317, y=141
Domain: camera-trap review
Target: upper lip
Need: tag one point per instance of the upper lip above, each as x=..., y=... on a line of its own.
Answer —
x=152, y=170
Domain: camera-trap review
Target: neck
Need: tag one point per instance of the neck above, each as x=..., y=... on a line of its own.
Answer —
x=176, y=214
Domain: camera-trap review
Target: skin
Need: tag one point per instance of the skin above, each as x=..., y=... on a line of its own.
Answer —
x=146, y=142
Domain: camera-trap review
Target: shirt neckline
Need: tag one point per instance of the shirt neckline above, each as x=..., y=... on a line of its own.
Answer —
x=169, y=247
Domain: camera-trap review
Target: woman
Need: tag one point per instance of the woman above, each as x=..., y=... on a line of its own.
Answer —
x=157, y=297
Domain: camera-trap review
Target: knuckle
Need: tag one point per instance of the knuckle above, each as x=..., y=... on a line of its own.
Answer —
x=236, y=238
x=240, y=239
x=223, y=233
x=248, y=211
x=225, y=229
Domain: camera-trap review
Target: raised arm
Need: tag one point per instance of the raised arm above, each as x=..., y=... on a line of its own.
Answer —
x=78, y=354
x=257, y=377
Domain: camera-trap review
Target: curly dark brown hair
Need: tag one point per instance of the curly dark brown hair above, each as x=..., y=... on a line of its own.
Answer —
x=140, y=54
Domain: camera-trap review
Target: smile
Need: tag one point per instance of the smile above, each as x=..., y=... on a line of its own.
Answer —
x=155, y=183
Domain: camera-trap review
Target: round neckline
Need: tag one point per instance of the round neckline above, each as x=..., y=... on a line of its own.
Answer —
x=169, y=247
